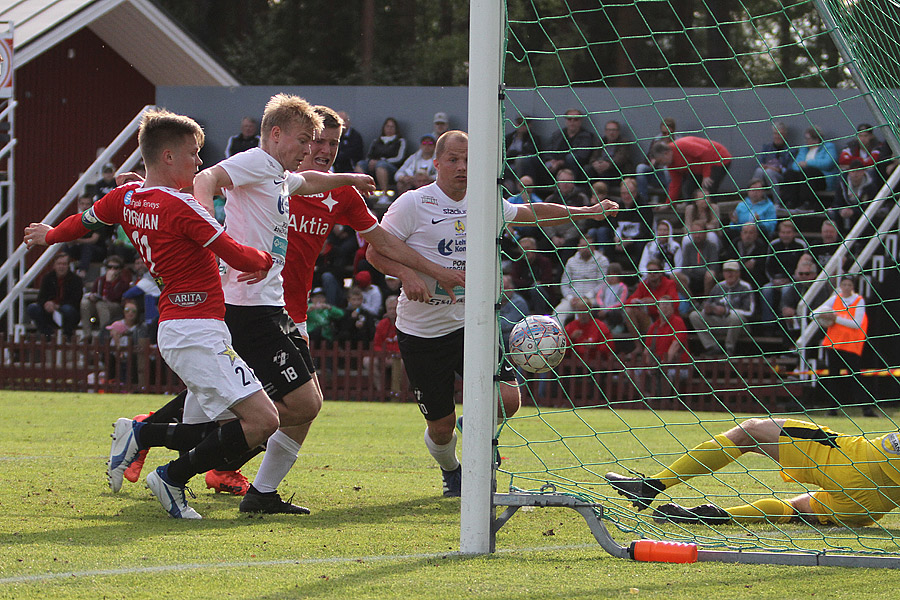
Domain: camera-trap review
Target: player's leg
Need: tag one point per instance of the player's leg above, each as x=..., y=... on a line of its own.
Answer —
x=172, y=412
x=753, y=435
x=432, y=365
x=221, y=386
x=279, y=355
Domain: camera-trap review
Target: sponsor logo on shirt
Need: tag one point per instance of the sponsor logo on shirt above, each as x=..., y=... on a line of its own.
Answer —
x=429, y=200
x=449, y=247
x=127, y=199
x=187, y=299
x=453, y=211
x=310, y=225
x=282, y=204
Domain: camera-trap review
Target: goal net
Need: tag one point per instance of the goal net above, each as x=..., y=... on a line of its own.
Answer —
x=751, y=147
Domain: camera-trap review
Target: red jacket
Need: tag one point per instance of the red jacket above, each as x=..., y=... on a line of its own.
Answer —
x=696, y=155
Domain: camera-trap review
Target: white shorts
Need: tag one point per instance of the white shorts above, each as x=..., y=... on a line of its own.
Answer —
x=200, y=353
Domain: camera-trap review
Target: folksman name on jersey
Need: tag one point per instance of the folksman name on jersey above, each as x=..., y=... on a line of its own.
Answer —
x=141, y=220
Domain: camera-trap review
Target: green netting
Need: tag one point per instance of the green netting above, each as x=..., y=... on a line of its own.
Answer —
x=730, y=72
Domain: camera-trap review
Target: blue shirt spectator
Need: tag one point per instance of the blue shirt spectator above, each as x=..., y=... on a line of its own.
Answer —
x=757, y=208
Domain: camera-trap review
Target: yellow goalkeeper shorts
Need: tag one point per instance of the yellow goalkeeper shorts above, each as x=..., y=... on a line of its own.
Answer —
x=854, y=490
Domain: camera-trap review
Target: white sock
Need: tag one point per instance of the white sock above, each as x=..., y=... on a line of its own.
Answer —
x=444, y=455
x=281, y=453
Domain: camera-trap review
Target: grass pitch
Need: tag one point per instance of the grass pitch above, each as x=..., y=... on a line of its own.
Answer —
x=379, y=527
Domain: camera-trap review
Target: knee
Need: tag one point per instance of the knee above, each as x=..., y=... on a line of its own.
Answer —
x=301, y=406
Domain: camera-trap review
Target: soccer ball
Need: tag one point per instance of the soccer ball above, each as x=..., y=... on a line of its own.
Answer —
x=537, y=344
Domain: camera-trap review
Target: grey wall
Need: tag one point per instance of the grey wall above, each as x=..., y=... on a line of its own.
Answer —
x=711, y=112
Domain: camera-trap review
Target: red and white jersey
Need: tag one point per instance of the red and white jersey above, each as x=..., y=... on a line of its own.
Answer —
x=311, y=220
x=171, y=232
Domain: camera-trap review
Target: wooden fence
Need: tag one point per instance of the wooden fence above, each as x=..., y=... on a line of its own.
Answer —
x=356, y=373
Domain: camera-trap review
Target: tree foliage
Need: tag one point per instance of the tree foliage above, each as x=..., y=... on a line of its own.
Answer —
x=687, y=43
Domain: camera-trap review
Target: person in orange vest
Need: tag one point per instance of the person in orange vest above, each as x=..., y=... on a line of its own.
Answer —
x=843, y=315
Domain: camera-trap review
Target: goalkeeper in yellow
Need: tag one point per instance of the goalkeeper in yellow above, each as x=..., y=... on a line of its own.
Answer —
x=858, y=478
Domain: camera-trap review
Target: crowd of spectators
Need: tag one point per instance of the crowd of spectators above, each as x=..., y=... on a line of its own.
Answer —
x=632, y=286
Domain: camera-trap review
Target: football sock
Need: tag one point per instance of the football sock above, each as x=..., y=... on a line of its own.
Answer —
x=706, y=458
x=281, y=453
x=175, y=436
x=771, y=510
x=445, y=455
x=226, y=442
x=234, y=465
x=171, y=412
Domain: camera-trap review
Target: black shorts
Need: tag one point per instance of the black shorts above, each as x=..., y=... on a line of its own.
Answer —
x=268, y=340
x=432, y=365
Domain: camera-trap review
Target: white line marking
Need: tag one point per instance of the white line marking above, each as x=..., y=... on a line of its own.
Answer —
x=268, y=563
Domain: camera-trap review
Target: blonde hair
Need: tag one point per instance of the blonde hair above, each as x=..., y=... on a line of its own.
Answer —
x=446, y=137
x=283, y=109
x=161, y=129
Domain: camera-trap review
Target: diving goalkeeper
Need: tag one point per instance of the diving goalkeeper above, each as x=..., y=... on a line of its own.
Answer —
x=858, y=478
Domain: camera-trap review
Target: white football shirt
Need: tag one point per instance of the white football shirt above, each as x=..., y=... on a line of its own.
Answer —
x=257, y=214
x=434, y=225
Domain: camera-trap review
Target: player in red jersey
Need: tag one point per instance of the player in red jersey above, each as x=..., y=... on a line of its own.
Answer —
x=178, y=240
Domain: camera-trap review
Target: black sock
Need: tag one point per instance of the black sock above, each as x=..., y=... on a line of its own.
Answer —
x=175, y=436
x=227, y=443
x=172, y=412
x=234, y=465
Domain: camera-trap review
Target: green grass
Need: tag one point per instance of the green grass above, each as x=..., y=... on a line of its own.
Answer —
x=379, y=527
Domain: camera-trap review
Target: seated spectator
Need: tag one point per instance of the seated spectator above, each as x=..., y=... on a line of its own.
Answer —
x=357, y=325
x=700, y=259
x=513, y=308
x=666, y=346
x=522, y=146
x=852, y=195
x=804, y=276
x=247, y=139
x=57, y=301
x=775, y=157
x=667, y=133
x=751, y=250
x=582, y=277
x=107, y=182
x=145, y=291
x=730, y=305
x=103, y=304
x=664, y=248
x=351, y=149
x=371, y=294
x=815, y=169
x=527, y=193
x=440, y=124
x=563, y=237
x=533, y=276
x=756, y=207
x=641, y=306
x=386, y=154
x=701, y=209
x=128, y=333
x=822, y=251
x=569, y=148
x=589, y=336
x=631, y=226
x=704, y=161
x=781, y=262
x=321, y=317
x=869, y=151
x=614, y=158
x=609, y=301
x=421, y=160
x=91, y=247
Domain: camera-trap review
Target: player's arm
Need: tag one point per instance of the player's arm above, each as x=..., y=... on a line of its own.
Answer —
x=207, y=184
x=546, y=214
x=318, y=183
x=240, y=257
x=413, y=286
x=72, y=228
x=393, y=248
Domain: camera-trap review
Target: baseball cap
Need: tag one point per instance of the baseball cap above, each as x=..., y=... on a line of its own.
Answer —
x=731, y=265
x=427, y=136
x=440, y=117
x=363, y=279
